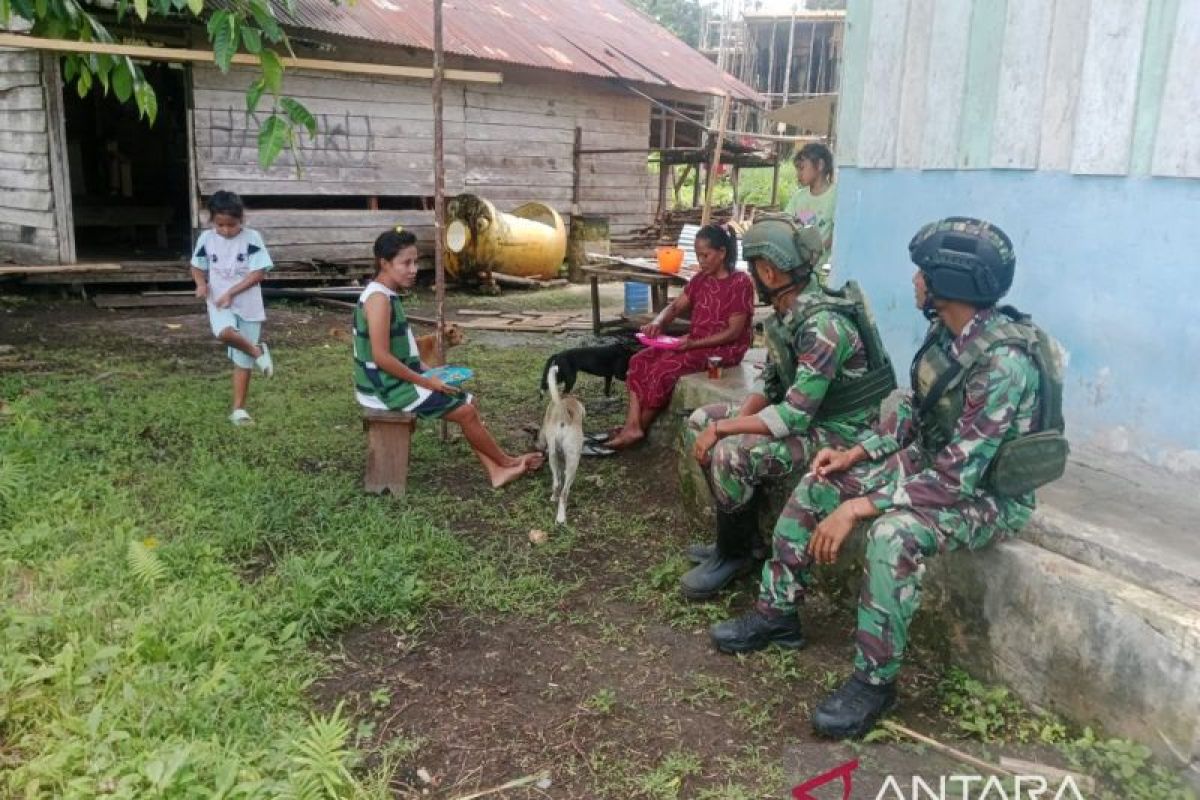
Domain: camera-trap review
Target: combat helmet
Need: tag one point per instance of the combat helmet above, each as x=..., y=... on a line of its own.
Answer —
x=965, y=259
x=791, y=248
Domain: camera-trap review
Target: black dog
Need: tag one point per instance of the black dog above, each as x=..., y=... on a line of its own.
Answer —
x=605, y=361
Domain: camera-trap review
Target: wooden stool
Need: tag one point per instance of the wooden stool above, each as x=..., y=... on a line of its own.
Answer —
x=389, y=434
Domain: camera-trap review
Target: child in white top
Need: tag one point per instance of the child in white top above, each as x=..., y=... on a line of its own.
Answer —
x=228, y=264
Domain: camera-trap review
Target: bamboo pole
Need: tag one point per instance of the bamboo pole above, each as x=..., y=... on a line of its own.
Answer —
x=787, y=64
x=180, y=54
x=715, y=164
x=439, y=192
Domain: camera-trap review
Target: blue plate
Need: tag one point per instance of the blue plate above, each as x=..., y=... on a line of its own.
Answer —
x=455, y=376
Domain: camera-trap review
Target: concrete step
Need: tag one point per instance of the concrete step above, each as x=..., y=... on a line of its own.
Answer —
x=1093, y=611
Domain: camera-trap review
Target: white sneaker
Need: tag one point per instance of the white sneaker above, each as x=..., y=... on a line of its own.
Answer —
x=264, y=362
x=239, y=417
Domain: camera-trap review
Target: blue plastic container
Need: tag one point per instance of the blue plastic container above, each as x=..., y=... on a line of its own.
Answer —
x=637, y=298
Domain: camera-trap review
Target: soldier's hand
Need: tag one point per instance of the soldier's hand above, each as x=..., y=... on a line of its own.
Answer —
x=830, y=533
x=830, y=460
x=704, y=445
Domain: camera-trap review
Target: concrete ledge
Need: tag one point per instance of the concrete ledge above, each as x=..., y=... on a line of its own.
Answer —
x=1094, y=612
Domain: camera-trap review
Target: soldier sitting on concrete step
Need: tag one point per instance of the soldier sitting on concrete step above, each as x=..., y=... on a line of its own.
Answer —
x=953, y=465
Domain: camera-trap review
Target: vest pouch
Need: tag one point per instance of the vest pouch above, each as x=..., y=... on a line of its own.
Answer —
x=1024, y=464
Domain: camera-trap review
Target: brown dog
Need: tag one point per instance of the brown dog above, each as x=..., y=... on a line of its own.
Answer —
x=452, y=336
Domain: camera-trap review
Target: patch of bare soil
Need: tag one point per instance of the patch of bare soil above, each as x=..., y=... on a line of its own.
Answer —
x=612, y=693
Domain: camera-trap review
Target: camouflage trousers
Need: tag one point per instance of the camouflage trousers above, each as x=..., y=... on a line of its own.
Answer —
x=898, y=543
x=741, y=463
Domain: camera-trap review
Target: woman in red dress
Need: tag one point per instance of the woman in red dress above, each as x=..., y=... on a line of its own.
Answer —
x=721, y=302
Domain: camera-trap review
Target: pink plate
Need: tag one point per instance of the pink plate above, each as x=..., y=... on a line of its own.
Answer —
x=660, y=342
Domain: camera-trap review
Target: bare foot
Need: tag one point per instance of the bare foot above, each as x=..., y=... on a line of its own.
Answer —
x=626, y=439
x=530, y=462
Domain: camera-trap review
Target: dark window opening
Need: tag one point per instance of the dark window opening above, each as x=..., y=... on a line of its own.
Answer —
x=354, y=202
x=129, y=180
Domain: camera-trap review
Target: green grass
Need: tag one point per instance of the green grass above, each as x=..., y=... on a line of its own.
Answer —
x=163, y=574
x=754, y=187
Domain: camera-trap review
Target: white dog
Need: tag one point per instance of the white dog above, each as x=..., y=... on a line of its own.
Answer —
x=562, y=438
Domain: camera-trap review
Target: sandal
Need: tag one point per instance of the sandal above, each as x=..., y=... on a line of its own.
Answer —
x=596, y=450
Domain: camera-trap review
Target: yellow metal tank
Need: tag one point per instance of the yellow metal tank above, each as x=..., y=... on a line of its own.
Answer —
x=530, y=241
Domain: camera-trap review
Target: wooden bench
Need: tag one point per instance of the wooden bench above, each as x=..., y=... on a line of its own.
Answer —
x=389, y=435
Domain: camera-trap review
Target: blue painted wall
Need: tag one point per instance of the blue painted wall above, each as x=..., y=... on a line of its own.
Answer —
x=1110, y=266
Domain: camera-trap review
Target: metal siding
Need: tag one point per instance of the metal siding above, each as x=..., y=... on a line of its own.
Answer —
x=1161, y=24
x=946, y=81
x=1017, y=128
x=854, y=77
x=881, y=95
x=984, y=50
x=1177, y=148
x=1108, y=88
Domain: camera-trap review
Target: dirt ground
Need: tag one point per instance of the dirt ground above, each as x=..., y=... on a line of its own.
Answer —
x=614, y=692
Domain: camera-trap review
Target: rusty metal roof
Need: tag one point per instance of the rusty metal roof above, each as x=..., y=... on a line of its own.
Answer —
x=604, y=38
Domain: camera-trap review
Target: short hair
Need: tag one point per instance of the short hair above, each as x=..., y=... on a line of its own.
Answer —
x=389, y=243
x=720, y=238
x=223, y=202
x=816, y=152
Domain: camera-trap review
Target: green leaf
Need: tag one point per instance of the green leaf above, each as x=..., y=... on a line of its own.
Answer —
x=252, y=40
x=142, y=8
x=84, y=84
x=272, y=71
x=215, y=22
x=274, y=135
x=253, y=95
x=122, y=81
x=195, y=6
x=70, y=68
x=147, y=102
x=299, y=115
x=265, y=17
x=5, y=13
x=225, y=42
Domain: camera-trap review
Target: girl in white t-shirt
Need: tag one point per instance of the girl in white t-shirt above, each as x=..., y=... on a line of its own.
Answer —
x=228, y=264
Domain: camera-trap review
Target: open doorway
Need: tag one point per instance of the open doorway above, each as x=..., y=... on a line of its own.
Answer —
x=129, y=180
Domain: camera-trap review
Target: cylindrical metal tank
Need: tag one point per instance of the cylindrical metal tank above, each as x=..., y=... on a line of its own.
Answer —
x=530, y=241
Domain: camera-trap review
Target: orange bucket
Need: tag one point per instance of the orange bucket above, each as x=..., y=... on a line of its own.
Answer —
x=670, y=259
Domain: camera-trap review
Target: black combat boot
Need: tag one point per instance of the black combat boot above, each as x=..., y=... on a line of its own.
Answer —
x=853, y=710
x=736, y=533
x=755, y=630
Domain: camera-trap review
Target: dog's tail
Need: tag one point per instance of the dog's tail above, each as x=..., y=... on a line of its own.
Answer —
x=552, y=383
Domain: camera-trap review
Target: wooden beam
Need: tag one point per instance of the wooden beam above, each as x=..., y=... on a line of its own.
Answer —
x=576, y=169
x=206, y=56
x=706, y=211
x=60, y=180
x=51, y=270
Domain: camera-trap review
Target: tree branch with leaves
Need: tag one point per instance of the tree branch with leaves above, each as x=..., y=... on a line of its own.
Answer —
x=241, y=25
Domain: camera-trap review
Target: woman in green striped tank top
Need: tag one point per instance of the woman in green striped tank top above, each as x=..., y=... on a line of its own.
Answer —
x=387, y=365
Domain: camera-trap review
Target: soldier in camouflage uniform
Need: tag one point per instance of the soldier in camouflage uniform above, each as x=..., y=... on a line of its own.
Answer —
x=825, y=374
x=929, y=477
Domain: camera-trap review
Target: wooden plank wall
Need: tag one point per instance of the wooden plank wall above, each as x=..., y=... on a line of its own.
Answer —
x=510, y=144
x=1093, y=87
x=28, y=233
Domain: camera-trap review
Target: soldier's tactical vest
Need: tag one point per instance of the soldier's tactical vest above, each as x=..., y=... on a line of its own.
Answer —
x=371, y=380
x=939, y=384
x=845, y=395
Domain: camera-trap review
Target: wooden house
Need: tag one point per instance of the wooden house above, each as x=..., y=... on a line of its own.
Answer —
x=83, y=179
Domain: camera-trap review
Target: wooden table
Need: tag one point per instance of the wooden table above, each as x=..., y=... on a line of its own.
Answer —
x=633, y=272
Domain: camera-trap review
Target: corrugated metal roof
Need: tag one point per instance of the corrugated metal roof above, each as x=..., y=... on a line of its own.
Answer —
x=605, y=38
